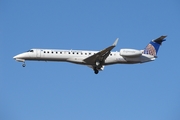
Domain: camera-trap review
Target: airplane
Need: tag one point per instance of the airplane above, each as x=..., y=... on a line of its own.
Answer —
x=95, y=59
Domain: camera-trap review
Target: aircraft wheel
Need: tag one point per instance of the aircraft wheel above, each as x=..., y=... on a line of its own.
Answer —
x=24, y=65
x=96, y=71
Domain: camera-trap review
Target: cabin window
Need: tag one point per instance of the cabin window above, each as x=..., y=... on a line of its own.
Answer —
x=69, y=52
x=48, y=52
x=52, y=52
x=77, y=53
x=81, y=53
x=44, y=51
x=73, y=53
x=85, y=53
x=60, y=52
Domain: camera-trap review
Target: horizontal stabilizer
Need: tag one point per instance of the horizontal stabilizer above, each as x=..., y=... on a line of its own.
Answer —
x=160, y=40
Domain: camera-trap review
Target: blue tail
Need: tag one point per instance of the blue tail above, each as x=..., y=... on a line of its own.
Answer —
x=153, y=47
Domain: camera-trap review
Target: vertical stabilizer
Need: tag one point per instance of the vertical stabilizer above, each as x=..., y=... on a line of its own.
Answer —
x=153, y=47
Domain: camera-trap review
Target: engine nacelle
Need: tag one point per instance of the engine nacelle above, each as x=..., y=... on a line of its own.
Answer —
x=130, y=52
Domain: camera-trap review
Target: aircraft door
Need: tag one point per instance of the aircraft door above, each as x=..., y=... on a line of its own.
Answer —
x=38, y=53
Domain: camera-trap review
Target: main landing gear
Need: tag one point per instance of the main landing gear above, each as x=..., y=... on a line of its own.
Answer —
x=96, y=71
x=97, y=67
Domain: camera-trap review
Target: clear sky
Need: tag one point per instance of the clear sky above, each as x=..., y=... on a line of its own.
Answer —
x=65, y=91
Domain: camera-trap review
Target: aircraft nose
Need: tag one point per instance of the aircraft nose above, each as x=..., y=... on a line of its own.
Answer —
x=19, y=56
x=15, y=57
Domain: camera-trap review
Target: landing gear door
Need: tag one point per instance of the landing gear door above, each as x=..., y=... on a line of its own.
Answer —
x=38, y=53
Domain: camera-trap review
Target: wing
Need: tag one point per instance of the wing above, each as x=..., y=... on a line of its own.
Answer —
x=100, y=56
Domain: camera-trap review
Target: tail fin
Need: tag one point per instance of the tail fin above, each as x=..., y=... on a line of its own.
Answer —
x=153, y=47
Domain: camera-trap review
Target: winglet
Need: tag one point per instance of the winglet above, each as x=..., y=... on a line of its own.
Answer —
x=115, y=42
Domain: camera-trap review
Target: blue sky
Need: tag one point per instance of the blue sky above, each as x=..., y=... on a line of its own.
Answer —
x=55, y=90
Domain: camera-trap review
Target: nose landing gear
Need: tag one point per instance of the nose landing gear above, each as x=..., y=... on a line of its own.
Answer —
x=24, y=65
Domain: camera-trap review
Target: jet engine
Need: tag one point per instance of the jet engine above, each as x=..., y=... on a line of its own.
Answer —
x=130, y=52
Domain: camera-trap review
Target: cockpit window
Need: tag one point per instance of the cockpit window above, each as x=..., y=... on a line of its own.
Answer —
x=30, y=51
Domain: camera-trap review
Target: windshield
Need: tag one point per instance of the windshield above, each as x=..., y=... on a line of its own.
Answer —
x=30, y=51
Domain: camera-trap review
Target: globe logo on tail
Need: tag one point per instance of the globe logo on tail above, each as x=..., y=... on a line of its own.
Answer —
x=150, y=50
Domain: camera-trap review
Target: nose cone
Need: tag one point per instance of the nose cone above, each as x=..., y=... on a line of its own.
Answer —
x=18, y=56
x=21, y=57
x=15, y=57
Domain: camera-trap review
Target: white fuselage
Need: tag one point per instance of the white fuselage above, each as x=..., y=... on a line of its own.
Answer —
x=94, y=59
x=78, y=56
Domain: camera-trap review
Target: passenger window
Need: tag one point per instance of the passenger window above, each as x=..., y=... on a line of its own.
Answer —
x=60, y=52
x=85, y=53
x=56, y=52
x=89, y=53
x=44, y=51
x=48, y=52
